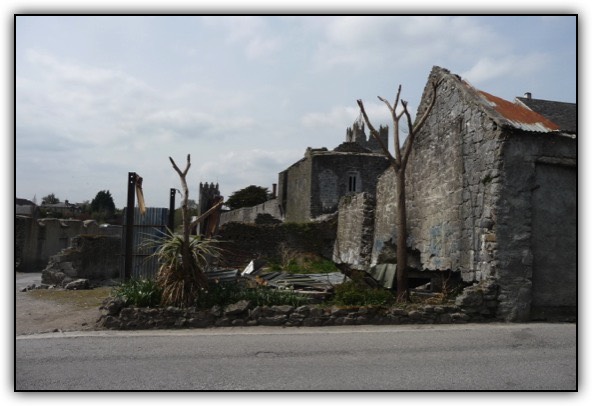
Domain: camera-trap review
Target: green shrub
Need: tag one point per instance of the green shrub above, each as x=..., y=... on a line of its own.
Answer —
x=139, y=292
x=223, y=294
x=353, y=294
x=262, y=296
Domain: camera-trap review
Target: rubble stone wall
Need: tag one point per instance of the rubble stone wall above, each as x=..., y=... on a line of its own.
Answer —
x=452, y=186
x=244, y=242
x=355, y=231
x=249, y=214
x=92, y=257
x=119, y=317
x=472, y=189
x=38, y=239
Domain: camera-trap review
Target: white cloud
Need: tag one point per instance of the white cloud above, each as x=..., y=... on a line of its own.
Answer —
x=337, y=117
x=340, y=117
x=251, y=166
x=487, y=68
x=249, y=33
x=364, y=42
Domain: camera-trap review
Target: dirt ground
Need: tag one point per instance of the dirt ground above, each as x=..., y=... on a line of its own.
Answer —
x=42, y=311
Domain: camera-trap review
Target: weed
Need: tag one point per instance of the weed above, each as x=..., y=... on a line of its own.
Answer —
x=353, y=294
x=139, y=292
x=223, y=294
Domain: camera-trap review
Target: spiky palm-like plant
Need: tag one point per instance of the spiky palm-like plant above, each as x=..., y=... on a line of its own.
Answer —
x=182, y=283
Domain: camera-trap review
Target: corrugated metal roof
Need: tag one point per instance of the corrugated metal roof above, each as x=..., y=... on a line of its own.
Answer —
x=518, y=116
x=565, y=115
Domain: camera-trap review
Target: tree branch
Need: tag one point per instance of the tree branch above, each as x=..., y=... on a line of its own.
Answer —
x=376, y=136
x=423, y=118
x=413, y=130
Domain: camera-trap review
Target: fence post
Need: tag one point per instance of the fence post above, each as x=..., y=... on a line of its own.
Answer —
x=172, y=210
x=129, y=225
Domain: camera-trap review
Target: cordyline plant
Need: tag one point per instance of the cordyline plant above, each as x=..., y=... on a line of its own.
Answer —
x=183, y=258
x=399, y=163
x=182, y=279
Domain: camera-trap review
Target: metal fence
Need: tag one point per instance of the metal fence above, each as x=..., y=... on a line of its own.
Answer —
x=146, y=228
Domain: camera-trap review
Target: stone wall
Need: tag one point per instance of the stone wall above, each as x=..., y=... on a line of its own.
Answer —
x=294, y=186
x=119, y=317
x=535, y=245
x=244, y=242
x=489, y=202
x=452, y=186
x=355, y=231
x=250, y=214
x=36, y=240
x=93, y=257
x=332, y=173
x=313, y=186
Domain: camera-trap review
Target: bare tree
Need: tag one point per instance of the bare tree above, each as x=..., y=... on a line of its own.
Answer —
x=185, y=250
x=399, y=164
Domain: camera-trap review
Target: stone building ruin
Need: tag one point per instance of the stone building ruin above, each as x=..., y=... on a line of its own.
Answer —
x=491, y=194
x=491, y=200
x=313, y=186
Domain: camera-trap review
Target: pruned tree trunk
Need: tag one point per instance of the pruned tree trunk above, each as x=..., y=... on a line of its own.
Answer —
x=399, y=164
x=186, y=256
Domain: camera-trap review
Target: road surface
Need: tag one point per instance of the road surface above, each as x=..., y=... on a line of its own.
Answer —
x=426, y=357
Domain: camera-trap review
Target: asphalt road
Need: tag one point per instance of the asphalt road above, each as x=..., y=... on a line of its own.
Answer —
x=443, y=357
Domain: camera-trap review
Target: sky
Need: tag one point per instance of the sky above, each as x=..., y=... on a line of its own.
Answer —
x=100, y=96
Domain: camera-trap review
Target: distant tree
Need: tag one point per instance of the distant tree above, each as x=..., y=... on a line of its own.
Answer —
x=102, y=206
x=103, y=201
x=50, y=199
x=247, y=197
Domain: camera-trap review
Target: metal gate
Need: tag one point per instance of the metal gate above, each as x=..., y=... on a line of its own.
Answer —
x=146, y=228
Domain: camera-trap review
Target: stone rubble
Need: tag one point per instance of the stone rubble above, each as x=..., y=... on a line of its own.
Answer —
x=117, y=316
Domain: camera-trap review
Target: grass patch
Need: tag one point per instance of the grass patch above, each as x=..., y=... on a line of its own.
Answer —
x=83, y=299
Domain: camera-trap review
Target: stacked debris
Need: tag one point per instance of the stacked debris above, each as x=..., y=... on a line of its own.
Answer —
x=317, y=286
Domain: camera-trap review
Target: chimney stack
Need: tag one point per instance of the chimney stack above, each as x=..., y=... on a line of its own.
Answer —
x=528, y=95
x=274, y=188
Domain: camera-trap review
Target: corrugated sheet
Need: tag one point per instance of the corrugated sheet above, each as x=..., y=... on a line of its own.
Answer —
x=223, y=275
x=518, y=116
x=149, y=226
x=322, y=281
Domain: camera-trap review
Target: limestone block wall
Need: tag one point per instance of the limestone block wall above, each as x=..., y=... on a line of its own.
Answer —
x=249, y=214
x=355, y=231
x=452, y=185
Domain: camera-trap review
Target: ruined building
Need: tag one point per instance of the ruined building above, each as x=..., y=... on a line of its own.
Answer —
x=491, y=199
x=491, y=194
x=313, y=186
